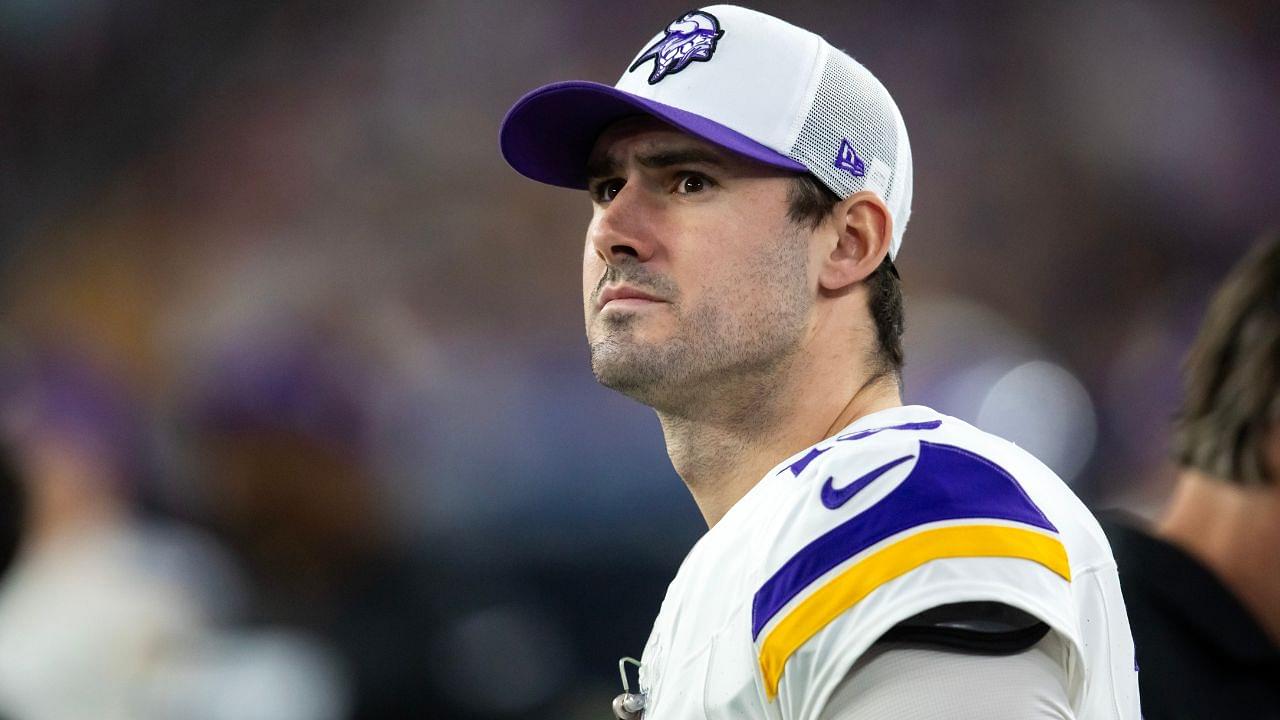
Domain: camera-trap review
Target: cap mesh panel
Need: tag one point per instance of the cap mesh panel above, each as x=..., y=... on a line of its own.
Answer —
x=850, y=104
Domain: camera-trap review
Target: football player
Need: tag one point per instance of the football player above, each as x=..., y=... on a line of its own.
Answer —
x=751, y=185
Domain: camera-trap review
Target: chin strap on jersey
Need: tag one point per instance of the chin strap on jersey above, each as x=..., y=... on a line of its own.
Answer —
x=628, y=705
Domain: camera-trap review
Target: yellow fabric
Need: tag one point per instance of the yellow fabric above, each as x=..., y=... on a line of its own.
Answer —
x=859, y=580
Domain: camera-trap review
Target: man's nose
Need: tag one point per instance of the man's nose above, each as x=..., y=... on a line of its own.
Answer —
x=627, y=226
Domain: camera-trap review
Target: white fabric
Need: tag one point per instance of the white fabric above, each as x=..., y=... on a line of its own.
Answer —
x=703, y=660
x=791, y=91
x=907, y=682
x=750, y=84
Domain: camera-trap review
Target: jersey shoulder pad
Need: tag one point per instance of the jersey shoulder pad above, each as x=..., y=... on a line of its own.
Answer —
x=883, y=525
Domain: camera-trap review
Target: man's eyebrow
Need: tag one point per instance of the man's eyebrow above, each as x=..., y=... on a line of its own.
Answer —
x=600, y=167
x=683, y=156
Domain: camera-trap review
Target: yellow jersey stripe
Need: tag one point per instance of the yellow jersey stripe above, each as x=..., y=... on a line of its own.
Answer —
x=859, y=580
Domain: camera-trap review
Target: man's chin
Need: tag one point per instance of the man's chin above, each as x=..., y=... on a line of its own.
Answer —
x=623, y=342
x=630, y=370
x=650, y=324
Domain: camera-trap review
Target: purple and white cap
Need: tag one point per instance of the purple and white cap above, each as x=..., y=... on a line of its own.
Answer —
x=745, y=81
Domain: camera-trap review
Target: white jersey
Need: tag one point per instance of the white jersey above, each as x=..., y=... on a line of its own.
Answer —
x=903, y=511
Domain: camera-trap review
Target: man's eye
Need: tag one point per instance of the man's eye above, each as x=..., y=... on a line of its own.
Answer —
x=606, y=190
x=692, y=184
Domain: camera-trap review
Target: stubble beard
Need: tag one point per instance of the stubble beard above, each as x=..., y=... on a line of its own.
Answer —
x=719, y=359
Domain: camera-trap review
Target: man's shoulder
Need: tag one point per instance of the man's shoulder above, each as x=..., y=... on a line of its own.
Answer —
x=909, y=471
x=903, y=511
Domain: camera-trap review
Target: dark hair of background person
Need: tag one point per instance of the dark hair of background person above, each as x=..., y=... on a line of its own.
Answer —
x=1232, y=399
x=11, y=510
x=810, y=202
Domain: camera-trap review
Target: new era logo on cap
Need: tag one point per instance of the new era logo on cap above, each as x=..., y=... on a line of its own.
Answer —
x=847, y=159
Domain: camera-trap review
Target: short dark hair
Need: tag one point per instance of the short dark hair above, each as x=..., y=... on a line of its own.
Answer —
x=1232, y=401
x=810, y=202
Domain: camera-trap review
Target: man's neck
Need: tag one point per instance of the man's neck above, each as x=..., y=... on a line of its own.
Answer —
x=1234, y=531
x=722, y=456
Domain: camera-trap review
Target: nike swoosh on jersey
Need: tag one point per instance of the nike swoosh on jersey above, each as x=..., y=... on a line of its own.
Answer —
x=834, y=498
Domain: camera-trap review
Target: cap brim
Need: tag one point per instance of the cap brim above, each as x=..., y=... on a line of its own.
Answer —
x=549, y=133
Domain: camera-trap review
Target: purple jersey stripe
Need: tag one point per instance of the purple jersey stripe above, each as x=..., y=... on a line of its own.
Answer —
x=925, y=425
x=798, y=466
x=947, y=483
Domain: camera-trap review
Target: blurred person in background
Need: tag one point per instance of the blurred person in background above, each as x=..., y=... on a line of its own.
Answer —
x=279, y=431
x=280, y=419
x=108, y=613
x=1202, y=585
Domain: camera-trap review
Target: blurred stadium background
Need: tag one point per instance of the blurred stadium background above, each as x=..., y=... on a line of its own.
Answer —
x=292, y=369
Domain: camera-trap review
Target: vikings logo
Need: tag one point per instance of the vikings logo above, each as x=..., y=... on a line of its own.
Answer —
x=690, y=37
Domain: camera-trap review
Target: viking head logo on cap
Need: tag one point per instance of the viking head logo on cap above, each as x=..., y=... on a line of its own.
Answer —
x=690, y=37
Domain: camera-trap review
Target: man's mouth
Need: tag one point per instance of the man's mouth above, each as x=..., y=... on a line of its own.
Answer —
x=623, y=296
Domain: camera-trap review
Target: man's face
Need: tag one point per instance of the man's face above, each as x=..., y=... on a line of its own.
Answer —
x=694, y=280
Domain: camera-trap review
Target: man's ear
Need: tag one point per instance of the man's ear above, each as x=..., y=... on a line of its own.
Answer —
x=863, y=232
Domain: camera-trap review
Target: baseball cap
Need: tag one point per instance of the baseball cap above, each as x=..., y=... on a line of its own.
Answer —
x=744, y=81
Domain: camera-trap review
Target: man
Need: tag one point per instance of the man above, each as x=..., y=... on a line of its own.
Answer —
x=750, y=187
x=1203, y=586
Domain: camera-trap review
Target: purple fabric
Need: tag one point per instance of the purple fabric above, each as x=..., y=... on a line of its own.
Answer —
x=926, y=425
x=798, y=466
x=947, y=483
x=548, y=134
